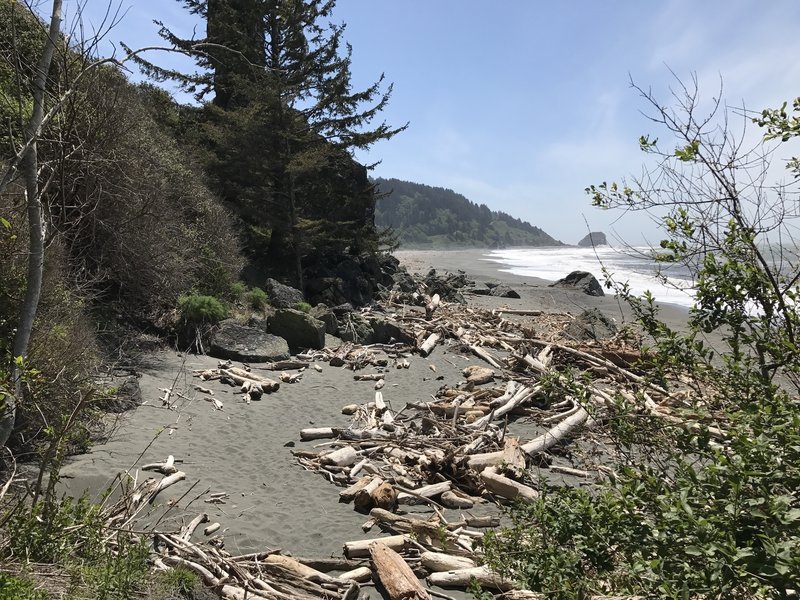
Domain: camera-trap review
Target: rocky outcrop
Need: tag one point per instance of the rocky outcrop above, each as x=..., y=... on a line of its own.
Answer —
x=583, y=281
x=299, y=329
x=327, y=316
x=233, y=341
x=354, y=328
x=350, y=279
x=282, y=296
x=591, y=325
x=503, y=291
x=387, y=331
x=595, y=238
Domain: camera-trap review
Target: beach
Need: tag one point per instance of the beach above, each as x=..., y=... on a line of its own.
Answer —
x=244, y=450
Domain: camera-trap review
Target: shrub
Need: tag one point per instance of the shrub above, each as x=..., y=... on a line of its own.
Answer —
x=302, y=307
x=196, y=308
x=693, y=511
x=237, y=291
x=16, y=588
x=257, y=298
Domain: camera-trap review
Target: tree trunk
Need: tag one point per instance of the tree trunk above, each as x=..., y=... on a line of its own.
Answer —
x=30, y=168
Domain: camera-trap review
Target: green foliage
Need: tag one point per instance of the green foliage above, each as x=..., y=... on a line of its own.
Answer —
x=177, y=581
x=692, y=510
x=196, y=308
x=302, y=307
x=257, y=298
x=422, y=215
x=16, y=588
x=783, y=126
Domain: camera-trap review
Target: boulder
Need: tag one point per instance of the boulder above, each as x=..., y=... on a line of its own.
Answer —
x=327, y=316
x=583, y=281
x=282, y=296
x=299, y=329
x=354, y=328
x=234, y=341
x=503, y=291
x=591, y=325
x=595, y=238
x=387, y=331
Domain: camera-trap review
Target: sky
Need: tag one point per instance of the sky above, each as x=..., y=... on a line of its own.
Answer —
x=521, y=104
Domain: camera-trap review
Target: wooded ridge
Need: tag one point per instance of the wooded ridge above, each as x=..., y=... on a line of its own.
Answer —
x=425, y=216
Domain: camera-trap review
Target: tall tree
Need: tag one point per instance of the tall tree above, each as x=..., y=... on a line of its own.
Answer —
x=296, y=92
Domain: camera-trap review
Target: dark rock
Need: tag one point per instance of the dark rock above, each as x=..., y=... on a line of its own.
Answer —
x=326, y=315
x=342, y=310
x=326, y=290
x=448, y=286
x=480, y=291
x=583, y=281
x=403, y=282
x=595, y=238
x=332, y=341
x=234, y=341
x=299, y=329
x=387, y=331
x=503, y=291
x=591, y=325
x=282, y=296
x=354, y=328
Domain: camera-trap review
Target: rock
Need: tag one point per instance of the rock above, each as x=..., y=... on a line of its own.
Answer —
x=386, y=331
x=448, y=286
x=326, y=290
x=478, y=375
x=354, y=328
x=583, y=281
x=234, y=341
x=326, y=315
x=503, y=291
x=299, y=329
x=480, y=291
x=591, y=325
x=282, y=296
x=331, y=341
x=595, y=238
x=342, y=310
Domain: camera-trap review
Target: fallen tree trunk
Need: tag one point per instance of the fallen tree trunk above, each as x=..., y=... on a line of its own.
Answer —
x=429, y=344
x=505, y=486
x=463, y=578
x=396, y=576
x=436, y=562
x=360, y=548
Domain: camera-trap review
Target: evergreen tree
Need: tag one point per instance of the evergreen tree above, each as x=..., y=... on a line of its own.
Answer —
x=285, y=123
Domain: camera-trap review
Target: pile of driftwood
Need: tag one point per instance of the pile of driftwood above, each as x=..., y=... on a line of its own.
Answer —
x=454, y=450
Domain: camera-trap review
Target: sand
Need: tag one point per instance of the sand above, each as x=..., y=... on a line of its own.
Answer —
x=245, y=450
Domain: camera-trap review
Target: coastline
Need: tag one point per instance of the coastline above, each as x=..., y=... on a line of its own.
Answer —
x=245, y=449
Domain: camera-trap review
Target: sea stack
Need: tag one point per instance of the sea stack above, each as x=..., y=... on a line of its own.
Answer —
x=595, y=238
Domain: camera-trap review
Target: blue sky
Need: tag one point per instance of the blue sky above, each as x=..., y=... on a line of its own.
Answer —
x=521, y=104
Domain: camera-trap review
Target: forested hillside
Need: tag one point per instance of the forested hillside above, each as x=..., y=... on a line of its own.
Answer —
x=422, y=216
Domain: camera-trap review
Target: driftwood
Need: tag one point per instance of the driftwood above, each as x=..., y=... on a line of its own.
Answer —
x=463, y=578
x=396, y=576
x=505, y=486
x=360, y=548
x=429, y=344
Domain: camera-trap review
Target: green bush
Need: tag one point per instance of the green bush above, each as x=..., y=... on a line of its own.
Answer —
x=257, y=298
x=302, y=307
x=16, y=588
x=706, y=506
x=237, y=291
x=196, y=308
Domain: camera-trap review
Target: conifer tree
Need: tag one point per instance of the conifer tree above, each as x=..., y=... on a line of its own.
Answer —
x=280, y=73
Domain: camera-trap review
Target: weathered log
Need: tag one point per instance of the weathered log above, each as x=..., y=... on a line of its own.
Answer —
x=505, y=486
x=211, y=529
x=483, y=354
x=451, y=500
x=267, y=385
x=545, y=441
x=343, y=457
x=166, y=482
x=478, y=375
x=187, y=531
x=360, y=548
x=429, y=344
x=359, y=574
x=426, y=491
x=463, y=578
x=362, y=499
x=384, y=496
x=431, y=306
x=295, y=566
x=396, y=576
x=165, y=468
x=369, y=377
x=318, y=433
x=436, y=562
x=522, y=395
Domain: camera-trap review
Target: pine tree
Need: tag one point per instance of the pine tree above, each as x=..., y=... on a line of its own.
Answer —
x=280, y=73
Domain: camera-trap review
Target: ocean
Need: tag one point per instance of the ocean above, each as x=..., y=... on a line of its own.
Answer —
x=631, y=265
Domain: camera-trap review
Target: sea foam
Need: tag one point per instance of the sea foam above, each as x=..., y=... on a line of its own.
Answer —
x=631, y=266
